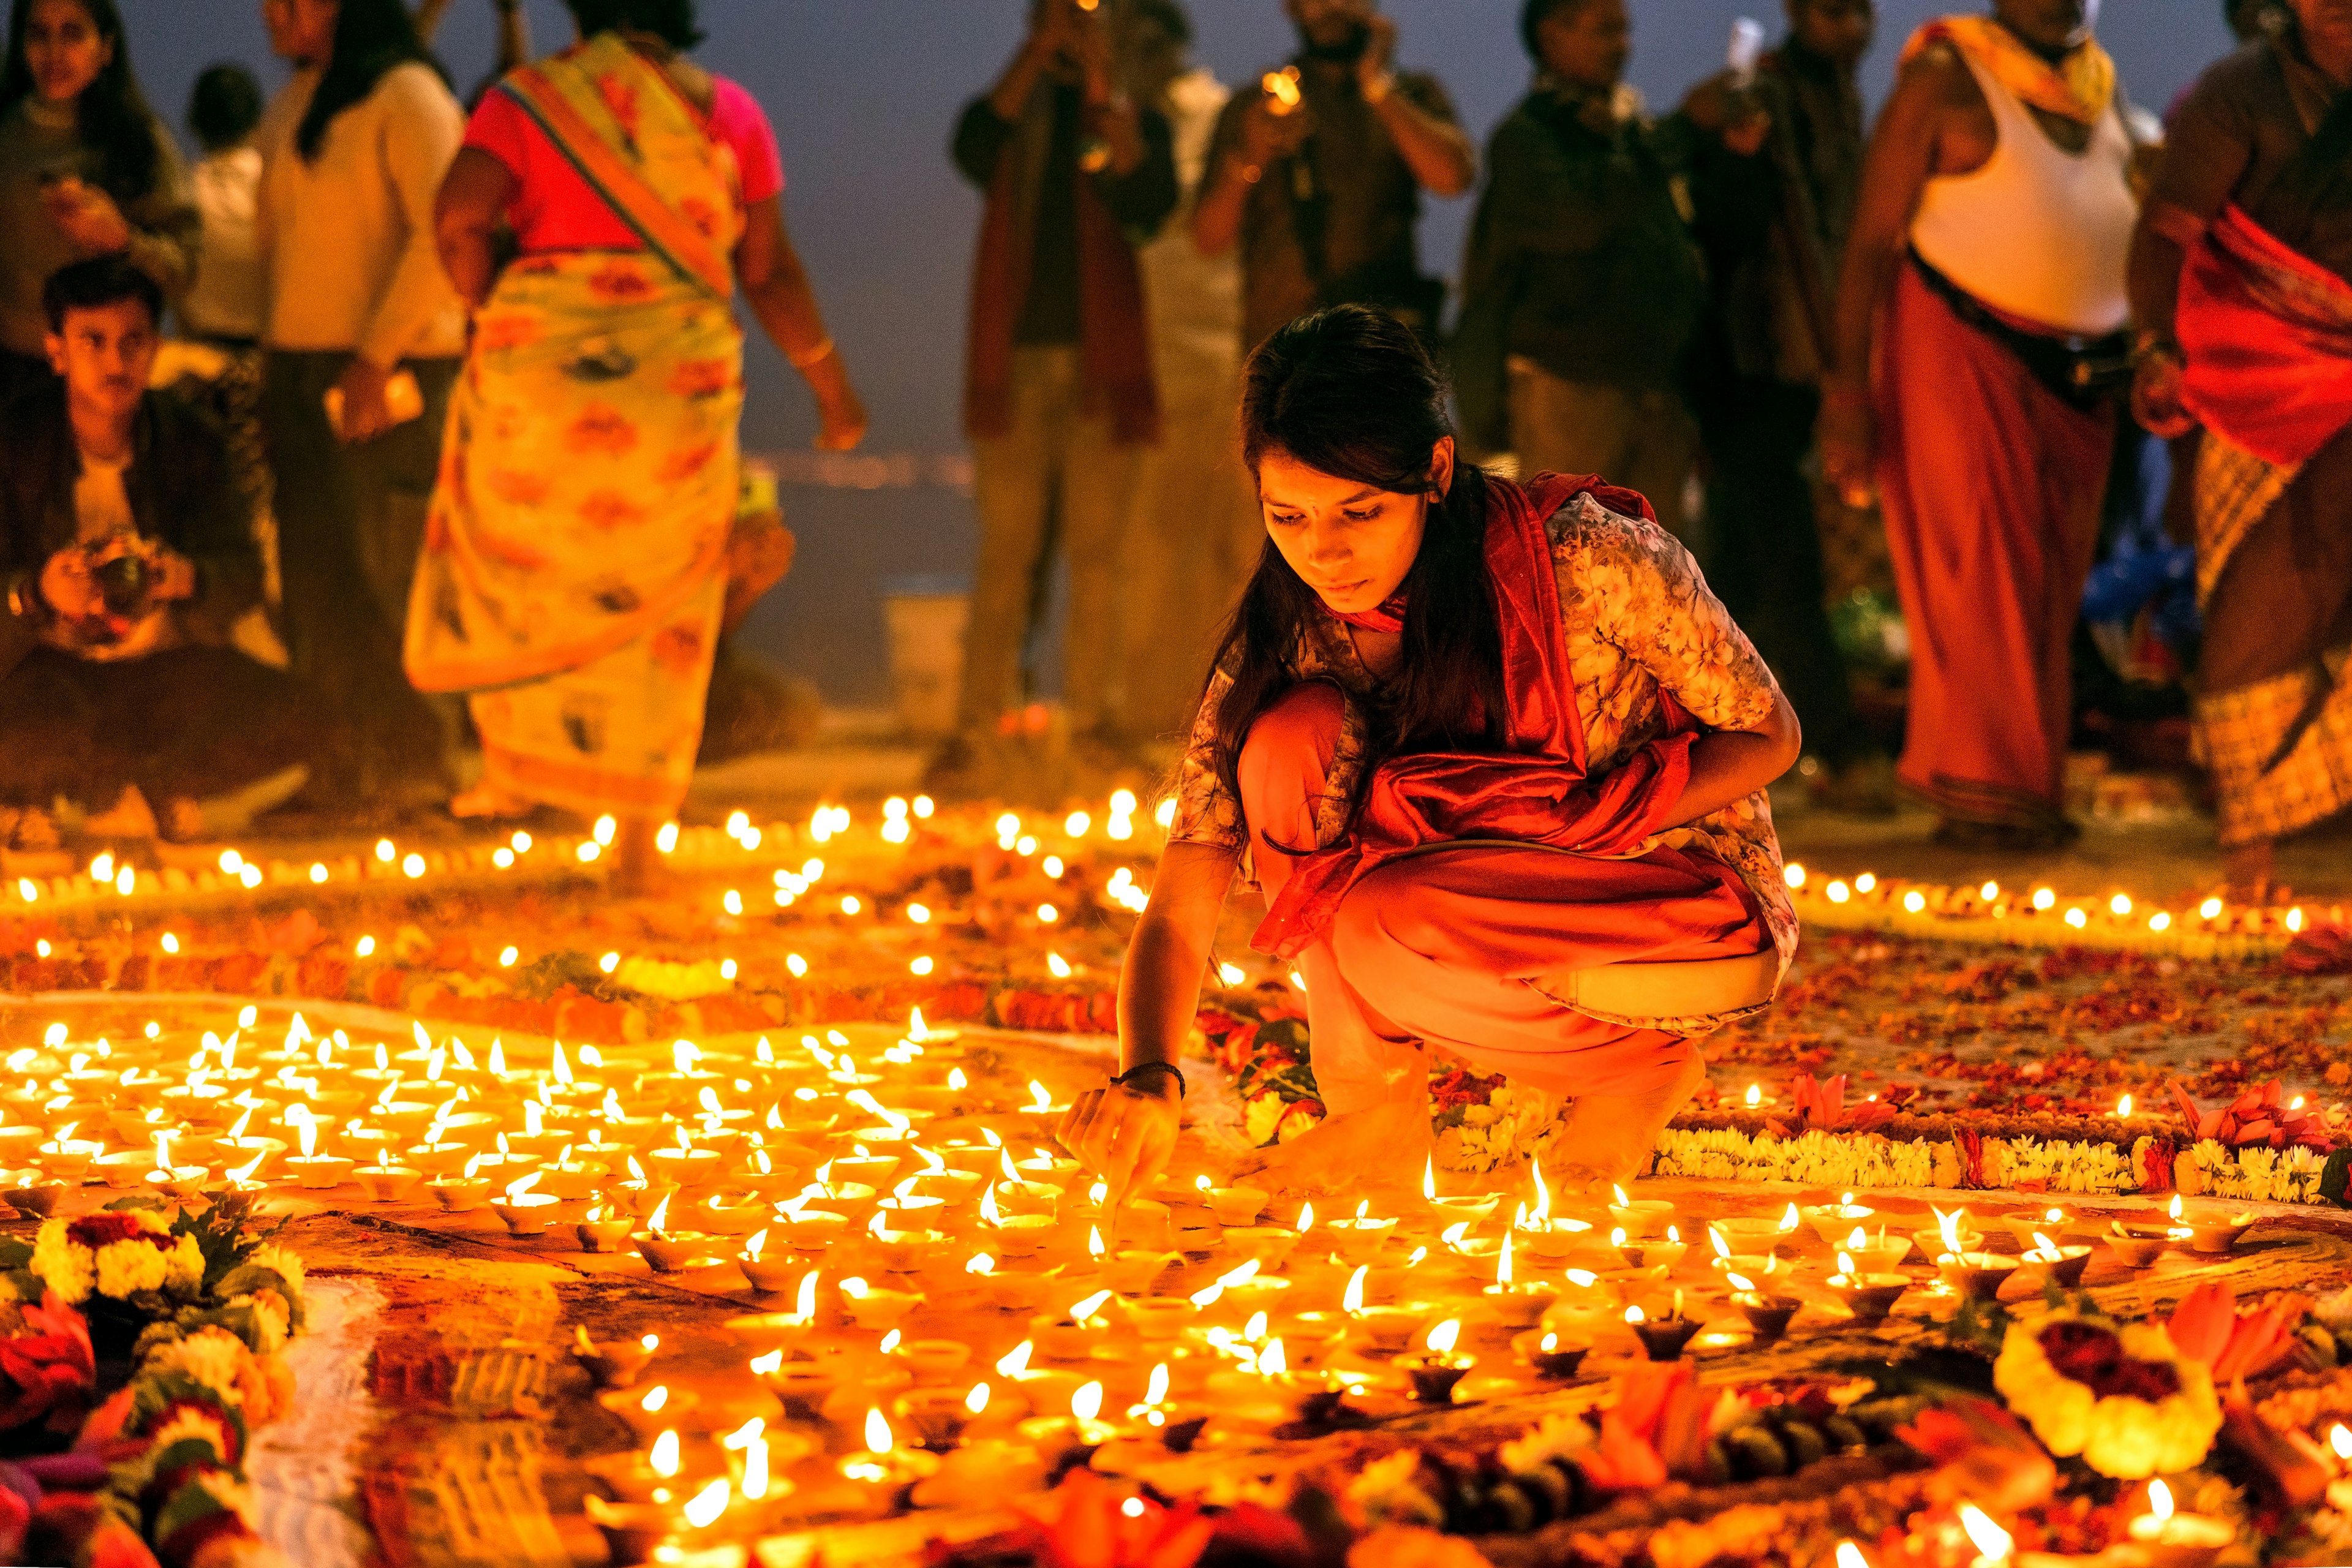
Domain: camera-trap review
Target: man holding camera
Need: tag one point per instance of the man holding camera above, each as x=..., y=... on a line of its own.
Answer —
x=127, y=556
x=1320, y=174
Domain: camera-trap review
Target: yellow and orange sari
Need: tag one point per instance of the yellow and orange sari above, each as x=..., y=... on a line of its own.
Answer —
x=574, y=566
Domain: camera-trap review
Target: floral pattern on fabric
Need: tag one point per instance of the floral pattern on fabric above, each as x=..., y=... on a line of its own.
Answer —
x=1639, y=621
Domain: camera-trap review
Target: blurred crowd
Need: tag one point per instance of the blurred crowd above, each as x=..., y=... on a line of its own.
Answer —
x=392, y=427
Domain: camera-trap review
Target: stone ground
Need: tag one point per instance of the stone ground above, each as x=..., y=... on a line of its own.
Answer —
x=444, y=1421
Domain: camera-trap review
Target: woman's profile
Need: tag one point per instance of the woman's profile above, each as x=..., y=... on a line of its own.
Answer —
x=1495, y=756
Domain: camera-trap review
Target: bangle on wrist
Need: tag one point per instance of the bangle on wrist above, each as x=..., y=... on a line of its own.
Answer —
x=1376, y=91
x=1168, y=1068
x=816, y=355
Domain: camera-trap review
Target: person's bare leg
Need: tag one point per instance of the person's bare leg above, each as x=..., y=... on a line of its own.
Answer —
x=637, y=871
x=1609, y=1137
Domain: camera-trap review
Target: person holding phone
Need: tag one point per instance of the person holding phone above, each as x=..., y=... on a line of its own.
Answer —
x=1318, y=176
x=86, y=170
x=1059, y=395
x=364, y=334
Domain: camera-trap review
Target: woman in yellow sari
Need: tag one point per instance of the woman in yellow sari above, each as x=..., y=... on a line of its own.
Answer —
x=575, y=560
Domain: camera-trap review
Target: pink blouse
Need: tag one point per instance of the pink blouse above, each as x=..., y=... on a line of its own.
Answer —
x=555, y=208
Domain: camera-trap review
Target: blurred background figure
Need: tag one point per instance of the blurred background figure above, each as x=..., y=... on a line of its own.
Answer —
x=1196, y=533
x=1583, y=289
x=2242, y=284
x=86, y=170
x=1773, y=223
x=1983, y=281
x=1317, y=174
x=1060, y=401
x=362, y=317
x=577, y=575
x=226, y=304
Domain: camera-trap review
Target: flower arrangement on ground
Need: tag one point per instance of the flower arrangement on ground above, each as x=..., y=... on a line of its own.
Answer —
x=2119, y=1394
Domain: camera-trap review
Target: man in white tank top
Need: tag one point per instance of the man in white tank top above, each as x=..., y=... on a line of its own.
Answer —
x=1981, y=333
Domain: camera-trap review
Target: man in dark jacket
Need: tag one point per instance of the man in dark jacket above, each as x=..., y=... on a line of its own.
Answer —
x=1059, y=399
x=127, y=553
x=1774, y=224
x=1583, y=287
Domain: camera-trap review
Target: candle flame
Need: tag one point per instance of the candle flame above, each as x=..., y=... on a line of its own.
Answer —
x=2176, y=1208
x=2123, y=1105
x=703, y=1509
x=1949, y=1226
x=1156, y=1392
x=981, y=1264
x=654, y=1399
x=1015, y=1361
x=1087, y=1403
x=1845, y=1265
x=2159, y=1500
x=2043, y=1244
x=1622, y=1201
x=1859, y=1240
x=1352, y=1300
x=1429, y=1178
x=663, y=1459
x=977, y=1400
x=1991, y=1541
x=1849, y=1555
x=752, y=1248
x=879, y=1439
x=1044, y=1101
x=1306, y=1218
x=890, y=1342
x=1740, y=1282
x=1791, y=1221
x=1445, y=1336
x=1541, y=1214
x=2339, y=1437
x=1081, y=1310
x=660, y=1214
x=1094, y=1241
x=1272, y=1362
x=1715, y=1239
x=1503, y=1263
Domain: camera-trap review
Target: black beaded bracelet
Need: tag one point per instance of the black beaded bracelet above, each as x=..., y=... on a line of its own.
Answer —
x=1154, y=1066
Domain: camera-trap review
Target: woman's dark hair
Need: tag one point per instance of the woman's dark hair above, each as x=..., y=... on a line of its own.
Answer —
x=113, y=117
x=225, y=107
x=372, y=37
x=671, y=21
x=1351, y=393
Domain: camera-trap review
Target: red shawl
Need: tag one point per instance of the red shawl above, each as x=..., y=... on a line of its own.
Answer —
x=2267, y=335
x=1534, y=790
x=1114, y=343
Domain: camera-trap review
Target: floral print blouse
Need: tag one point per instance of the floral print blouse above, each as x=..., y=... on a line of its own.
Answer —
x=1639, y=620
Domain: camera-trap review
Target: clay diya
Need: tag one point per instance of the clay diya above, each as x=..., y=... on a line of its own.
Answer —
x=1663, y=1339
x=1551, y=1353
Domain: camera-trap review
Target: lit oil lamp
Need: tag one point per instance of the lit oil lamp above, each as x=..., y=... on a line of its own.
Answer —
x=527, y=1213
x=1663, y=1339
x=1551, y=1353
x=1667, y=1253
x=460, y=1192
x=876, y=1308
x=1951, y=1233
x=1435, y=1371
x=767, y=1275
x=1975, y=1273
x=179, y=1180
x=311, y=1169
x=603, y=1229
x=767, y=1332
x=2215, y=1231
x=612, y=1364
x=1517, y=1304
x=1073, y=1335
x=650, y=1414
x=2052, y=1221
x=2177, y=1540
x=1642, y=1218
x=1767, y=1315
x=1881, y=1255
x=1833, y=1222
x=665, y=1252
x=883, y=1464
x=2065, y=1265
x=1869, y=1296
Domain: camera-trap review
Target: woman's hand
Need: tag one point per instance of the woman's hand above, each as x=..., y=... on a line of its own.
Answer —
x=1124, y=1135
x=1357, y=1151
x=87, y=218
x=840, y=412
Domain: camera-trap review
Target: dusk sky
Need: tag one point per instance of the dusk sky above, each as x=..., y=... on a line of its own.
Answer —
x=864, y=93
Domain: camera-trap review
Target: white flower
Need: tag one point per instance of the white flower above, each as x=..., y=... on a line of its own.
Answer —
x=212, y=1356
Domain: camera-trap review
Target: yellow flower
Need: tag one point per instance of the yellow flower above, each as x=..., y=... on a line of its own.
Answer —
x=2121, y=1435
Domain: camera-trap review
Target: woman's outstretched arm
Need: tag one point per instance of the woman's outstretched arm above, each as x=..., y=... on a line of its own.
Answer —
x=1125, y=1132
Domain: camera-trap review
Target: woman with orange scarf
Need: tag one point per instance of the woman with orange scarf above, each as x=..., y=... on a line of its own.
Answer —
x=1498, y=759
x=575, y=560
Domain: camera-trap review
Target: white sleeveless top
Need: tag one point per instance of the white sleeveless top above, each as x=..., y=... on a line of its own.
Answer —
x=2038, y=232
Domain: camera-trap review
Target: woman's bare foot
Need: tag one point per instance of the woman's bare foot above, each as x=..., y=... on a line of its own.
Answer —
x=2250, y=872
x=1609, y=1137
x=489, y=803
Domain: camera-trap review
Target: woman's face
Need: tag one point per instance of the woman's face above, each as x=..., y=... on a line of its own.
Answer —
x=64, y=50
x=303, y=31
x=1352, y=543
